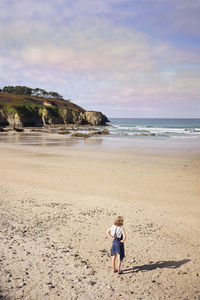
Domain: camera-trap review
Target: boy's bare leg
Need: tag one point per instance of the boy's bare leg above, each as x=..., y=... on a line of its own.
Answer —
x=113, y=262
x=119, y=263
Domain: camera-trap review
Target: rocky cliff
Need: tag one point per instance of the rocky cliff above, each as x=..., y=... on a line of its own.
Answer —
x=21, y=111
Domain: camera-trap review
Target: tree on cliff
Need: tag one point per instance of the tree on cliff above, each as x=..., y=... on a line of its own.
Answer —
x=55, y=95
x=8, y=89
x=39, y=93
x=24, y=90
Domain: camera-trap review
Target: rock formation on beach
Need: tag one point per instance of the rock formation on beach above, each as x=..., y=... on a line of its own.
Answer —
x=25, y=110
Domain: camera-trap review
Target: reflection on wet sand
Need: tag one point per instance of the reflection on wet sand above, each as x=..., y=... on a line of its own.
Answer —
x=93, y=141
x=100, y=142
x=43, y=139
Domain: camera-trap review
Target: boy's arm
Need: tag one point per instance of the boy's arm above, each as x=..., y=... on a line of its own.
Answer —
x=109, y=234
x=124, y=235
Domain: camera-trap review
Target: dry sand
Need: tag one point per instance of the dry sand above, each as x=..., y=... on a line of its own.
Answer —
x=57, y=204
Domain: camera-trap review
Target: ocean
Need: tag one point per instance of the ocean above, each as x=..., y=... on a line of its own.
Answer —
x=154, y=135
x=155, y=128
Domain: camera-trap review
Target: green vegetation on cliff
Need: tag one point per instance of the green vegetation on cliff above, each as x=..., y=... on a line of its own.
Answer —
x=35, y=102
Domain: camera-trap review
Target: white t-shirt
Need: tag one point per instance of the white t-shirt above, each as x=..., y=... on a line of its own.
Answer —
x=116, y=231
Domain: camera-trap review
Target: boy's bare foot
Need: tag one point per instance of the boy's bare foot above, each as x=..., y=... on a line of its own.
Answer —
x=120, y=272
x=115, y=271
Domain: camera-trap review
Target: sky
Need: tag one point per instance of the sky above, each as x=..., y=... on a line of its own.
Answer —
x=126, y=58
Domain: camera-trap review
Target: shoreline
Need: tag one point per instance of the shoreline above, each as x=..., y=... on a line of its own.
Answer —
x=56, y=205
x=148, y=145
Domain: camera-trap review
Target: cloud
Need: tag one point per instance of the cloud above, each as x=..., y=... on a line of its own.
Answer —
x=93, y=48
x=99, y=53
x=184, y=17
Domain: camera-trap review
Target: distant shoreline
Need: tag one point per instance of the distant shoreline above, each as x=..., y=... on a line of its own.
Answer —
x=136, y=135
x=57, y=142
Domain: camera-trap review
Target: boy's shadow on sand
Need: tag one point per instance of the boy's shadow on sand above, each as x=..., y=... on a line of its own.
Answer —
x=170, y=264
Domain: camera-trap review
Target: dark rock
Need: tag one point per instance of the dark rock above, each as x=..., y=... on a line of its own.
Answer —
x=152, y=134
x=103, y=132
x=91, y=129
x=21, y=285
x=91, y=282
x=110, y=287
x=64, y=132
x=18, y=129
x=86, y=266
x=87, y=135
x=83, y=135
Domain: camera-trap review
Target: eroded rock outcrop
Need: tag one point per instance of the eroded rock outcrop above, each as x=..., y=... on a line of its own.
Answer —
x=10, y=118
x=3, y=120
x=22, y=111
x=95, y=118
x=48, y=116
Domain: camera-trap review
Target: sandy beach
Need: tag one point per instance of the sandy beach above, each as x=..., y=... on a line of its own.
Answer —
x=57, y=204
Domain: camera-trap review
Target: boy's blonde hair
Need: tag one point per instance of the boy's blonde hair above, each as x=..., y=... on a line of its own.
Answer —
x=119, y=221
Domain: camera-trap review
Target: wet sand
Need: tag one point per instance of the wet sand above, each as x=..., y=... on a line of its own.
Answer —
x=57, y=204
x=49, y=137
